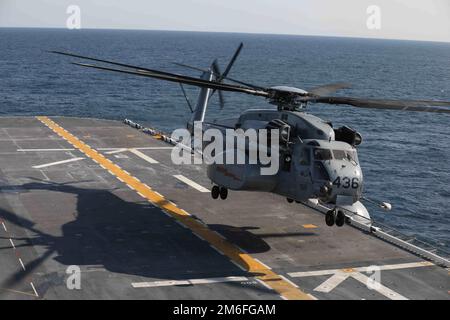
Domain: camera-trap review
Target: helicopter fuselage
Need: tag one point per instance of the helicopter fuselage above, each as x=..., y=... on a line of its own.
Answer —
x=312, y=163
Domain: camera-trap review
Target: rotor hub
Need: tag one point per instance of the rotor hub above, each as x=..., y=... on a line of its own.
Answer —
x=287, y=98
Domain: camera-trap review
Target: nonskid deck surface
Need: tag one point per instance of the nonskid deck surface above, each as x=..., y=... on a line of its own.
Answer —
x=107, y=198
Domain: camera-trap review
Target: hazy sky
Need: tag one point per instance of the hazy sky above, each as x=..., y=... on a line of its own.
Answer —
x=400, y=19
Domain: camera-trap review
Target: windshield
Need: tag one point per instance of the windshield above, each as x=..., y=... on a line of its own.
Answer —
x=322, y=154
x=339, y=154
x=345, y=155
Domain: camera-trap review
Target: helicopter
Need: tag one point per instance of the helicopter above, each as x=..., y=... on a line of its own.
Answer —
x=316, y=160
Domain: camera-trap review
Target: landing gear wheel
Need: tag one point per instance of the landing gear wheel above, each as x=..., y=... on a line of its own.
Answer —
x=223, y=193
x=330, y=218
x=289, y=200
x=215, y=192
x=340, y=218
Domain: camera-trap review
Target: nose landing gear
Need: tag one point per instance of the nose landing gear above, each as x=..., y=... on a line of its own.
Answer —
x=223, y=193
x=330, y=218
x=340, y=218
x=335, y=216
x=217, y=191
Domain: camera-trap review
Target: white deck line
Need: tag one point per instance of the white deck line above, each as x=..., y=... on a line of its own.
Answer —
x=116, y=151
x=361, y=269
x=136, y=148
x=332, y=282
x=169, y=283
x=340, y=275
x=143, y=156
x=191, y=183
x=385, y=291
x=34, y=289
x=57, y=163
x=44, y=150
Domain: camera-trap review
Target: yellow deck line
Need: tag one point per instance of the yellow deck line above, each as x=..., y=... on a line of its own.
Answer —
x=261, y=272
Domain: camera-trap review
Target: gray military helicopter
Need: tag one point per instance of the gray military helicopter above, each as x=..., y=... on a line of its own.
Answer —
x=316, y=160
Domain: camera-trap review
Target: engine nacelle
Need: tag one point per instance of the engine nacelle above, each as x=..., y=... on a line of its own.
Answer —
x=348, y=135
x=285, y=130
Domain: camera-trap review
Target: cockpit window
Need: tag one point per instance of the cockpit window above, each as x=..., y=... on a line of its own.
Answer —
x=322, y=154
x=345, y=155
x=351, y=156
x=339, y=154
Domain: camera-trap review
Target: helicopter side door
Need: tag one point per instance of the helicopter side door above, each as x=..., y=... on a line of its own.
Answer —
x=302, y=171
x=319, y=174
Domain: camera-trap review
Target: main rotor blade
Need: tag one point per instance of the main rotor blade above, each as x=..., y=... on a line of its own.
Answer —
x=110, y=62
x=171, y=77
x=329, y=88
x=403, y=105
x=314, y=96
x=148, y=69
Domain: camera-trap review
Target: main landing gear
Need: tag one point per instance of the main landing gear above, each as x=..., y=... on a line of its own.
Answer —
x=217, y=192
x=332, y=217
x=335, y=216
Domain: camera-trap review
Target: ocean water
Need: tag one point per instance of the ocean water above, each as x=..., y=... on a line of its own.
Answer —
x=405, y=156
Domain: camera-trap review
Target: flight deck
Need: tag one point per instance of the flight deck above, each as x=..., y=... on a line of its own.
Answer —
x=103, y=197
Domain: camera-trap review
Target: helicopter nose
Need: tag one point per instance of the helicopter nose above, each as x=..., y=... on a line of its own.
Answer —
x=346, y=182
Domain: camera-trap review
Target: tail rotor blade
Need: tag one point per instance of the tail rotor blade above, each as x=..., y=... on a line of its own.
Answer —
x=224, y=78
x=227, y=71
x=186, y=98
x=221, y=100
x=232, y=61
x=216, y=70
